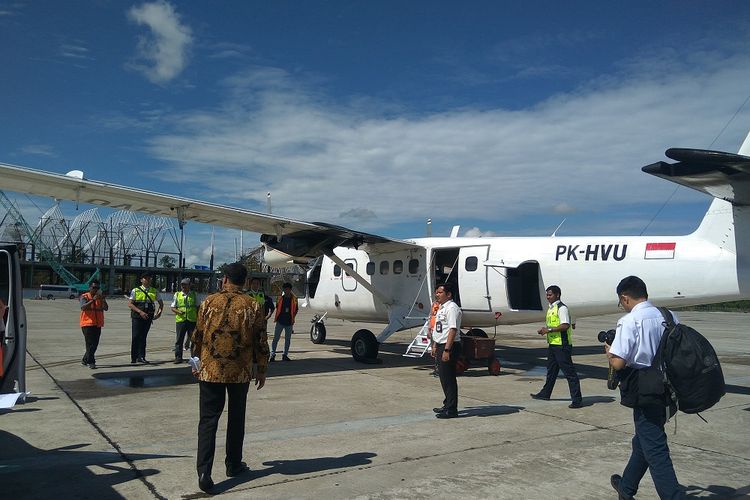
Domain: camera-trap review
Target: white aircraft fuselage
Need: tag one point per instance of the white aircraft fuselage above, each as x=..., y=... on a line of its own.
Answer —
x=509, y=274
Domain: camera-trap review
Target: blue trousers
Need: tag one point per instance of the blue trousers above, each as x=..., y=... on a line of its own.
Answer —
x=287, y=337
x=650, y=452
x=560, y=357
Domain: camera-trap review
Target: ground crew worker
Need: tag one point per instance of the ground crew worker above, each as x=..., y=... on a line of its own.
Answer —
x=286, y=311
x=142, y=305
x=559, y=335
x=261, y=298
x=93, y=305
x=446, y=347
x=185, y=309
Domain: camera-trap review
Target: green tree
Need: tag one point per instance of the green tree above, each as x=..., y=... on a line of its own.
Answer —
x=167, y=261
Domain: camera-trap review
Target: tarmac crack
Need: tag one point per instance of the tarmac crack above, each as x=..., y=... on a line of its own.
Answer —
x=138, y=474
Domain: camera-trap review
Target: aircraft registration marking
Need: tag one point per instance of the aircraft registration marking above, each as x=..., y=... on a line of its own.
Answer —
x=601, y=252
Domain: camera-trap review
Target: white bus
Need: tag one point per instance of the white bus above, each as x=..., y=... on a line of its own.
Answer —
x=51, y=292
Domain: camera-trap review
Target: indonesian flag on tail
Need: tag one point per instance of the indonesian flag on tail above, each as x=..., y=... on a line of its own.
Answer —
x=660, y=250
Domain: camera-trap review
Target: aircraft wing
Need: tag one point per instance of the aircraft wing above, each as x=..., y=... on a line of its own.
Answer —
x=299, y=239
x=721, y=175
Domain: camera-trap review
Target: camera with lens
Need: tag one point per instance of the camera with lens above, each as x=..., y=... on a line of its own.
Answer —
x=606, y=337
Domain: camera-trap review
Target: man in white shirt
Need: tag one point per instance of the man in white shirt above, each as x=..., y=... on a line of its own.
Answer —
x=446, y=347
x=633, y=349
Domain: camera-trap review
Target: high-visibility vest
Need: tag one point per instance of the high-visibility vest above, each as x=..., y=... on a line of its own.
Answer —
x=280, y=305
x=145, y=299
x=187, y=305
x=553, y=320
x=433, y=315
x=94, y=314
x=259, y=297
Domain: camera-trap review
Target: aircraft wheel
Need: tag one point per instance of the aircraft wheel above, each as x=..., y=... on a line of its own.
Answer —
x=476, y=332
x=318, y=332
x=494, y=366
x=461, y=365
x=364, y=346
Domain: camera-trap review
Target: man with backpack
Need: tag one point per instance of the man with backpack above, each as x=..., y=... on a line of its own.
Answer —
x=632, y=352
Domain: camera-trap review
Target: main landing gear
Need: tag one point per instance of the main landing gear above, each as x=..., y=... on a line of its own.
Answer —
x=365, y=347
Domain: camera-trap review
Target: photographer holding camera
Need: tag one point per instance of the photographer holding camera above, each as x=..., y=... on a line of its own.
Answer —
x=631, y=353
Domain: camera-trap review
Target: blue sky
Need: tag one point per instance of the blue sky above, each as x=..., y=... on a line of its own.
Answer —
x=504, y=117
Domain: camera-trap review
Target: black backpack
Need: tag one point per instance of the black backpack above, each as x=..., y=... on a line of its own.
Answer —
x=691, y=367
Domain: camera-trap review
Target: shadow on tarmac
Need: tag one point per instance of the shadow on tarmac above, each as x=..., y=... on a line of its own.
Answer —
x=293, y=467
x=488, y=411
x=715, y=491
x=26, y=470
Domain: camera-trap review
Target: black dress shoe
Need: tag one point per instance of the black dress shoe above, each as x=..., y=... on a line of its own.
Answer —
x=575, y=404
x=614, y=480
x=446, y=414
x=439, y=410
x=539, y=396
x=285, y=358
x=205, y=483
x=237, y=469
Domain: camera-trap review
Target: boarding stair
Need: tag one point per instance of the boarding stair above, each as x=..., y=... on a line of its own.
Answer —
x=420, y=344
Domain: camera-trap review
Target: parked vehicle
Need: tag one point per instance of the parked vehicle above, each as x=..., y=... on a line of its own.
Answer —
x=51, y=292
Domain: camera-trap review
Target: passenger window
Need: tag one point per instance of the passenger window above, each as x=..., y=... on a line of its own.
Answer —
x=384, y=266
x=398, y=266
x=471, y=263
x=336, y=271
x=413, y=266
x=370, y=268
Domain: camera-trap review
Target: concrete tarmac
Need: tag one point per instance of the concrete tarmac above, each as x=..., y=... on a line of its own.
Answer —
x=327, y=427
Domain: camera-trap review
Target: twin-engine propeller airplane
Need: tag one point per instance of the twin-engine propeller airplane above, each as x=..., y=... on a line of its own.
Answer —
x=363, y=277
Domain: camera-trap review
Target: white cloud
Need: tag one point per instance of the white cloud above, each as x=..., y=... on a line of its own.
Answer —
x=575, y=152
x=165, y=47
x=475, y=232
x=75, y=51
x=39, y=149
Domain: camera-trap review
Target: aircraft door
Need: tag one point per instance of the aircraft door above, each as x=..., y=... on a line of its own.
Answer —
x=472, y=278
x=12, y=323
x=347, y=281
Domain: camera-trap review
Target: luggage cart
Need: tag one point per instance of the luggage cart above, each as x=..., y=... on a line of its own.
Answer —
x=476, y=346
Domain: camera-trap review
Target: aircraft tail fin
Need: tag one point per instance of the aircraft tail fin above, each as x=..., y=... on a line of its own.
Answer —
x=726, y=177
x=722, y=175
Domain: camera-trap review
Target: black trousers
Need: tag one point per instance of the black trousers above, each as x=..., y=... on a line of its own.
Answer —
x=183, y=328
x=139, y=332
x=91, y=335
x=447, y=374
x=559, y=357
x=212, y=397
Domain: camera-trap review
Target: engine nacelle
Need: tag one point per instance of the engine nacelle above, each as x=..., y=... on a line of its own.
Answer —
x=277, y=258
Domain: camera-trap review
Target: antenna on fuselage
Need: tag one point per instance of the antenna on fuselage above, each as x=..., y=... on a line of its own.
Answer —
x=554, y=233
x=429, y=228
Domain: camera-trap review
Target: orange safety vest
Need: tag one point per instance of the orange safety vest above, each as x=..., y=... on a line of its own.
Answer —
x=94, y=315
x=279, y=305
x=433, y=317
